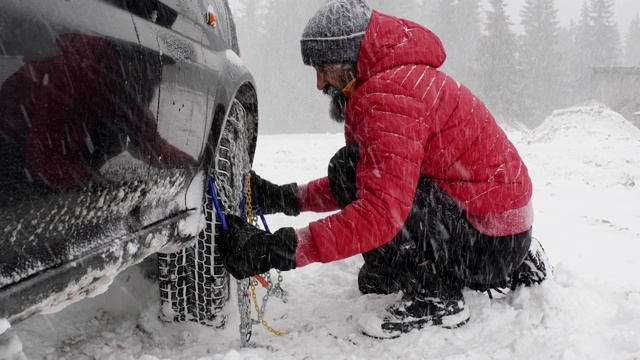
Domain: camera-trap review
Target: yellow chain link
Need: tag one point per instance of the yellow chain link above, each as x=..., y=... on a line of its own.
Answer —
x=255, y=304
x=249, y=200
x=252, y=280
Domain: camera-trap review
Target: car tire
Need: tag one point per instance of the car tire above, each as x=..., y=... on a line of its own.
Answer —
x=194, y=285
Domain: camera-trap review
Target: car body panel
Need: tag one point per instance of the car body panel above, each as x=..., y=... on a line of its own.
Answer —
x=109, y=110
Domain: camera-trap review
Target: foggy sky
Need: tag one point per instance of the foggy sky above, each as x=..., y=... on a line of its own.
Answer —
x=569, y=10
x=273, y=56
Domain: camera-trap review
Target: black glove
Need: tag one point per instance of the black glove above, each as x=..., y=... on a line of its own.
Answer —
x=274, y=198
x=247, y=251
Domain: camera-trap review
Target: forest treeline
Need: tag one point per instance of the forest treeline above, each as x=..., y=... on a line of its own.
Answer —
x=521, y=76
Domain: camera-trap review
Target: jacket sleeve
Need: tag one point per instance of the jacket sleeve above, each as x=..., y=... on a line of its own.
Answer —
x=391, y=132
x=316, y=196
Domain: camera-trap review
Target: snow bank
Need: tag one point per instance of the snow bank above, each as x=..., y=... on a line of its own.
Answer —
x=592, y=123
x=589, y=144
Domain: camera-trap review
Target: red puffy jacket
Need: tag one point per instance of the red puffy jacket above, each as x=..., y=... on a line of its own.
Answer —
x=409, y=119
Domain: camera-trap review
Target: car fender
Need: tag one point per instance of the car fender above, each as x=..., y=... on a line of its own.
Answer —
x=244, y=90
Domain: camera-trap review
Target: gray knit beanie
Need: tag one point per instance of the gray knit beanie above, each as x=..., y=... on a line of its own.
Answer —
x=334, y=34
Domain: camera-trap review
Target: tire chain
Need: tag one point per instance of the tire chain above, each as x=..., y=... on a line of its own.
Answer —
x=194, y=285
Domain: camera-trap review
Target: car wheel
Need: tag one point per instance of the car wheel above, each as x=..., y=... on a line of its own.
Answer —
x=194, y=284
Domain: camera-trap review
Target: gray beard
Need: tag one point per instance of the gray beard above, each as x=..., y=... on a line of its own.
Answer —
x=338, y=103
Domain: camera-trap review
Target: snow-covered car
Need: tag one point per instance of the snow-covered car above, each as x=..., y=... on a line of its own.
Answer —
x=116, y=117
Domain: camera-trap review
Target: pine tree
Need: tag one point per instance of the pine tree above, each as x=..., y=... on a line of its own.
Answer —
x=458, y=25
x=584, y=29
x=250, y=19
x=497, y=54
x=574, y=70
x=540, y=60
x=253, y=15
x=633, y=42
x=443, y=18
x=579, y=58
x=604, y=45
x=288, y=98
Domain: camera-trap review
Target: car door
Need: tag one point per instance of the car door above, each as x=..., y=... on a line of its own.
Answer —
x=176, y=81
x=181, y=105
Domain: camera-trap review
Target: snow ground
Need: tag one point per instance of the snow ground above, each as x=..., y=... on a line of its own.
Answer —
x=585, y=165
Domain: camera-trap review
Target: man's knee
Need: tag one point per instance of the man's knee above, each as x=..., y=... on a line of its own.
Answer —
x=342, y=174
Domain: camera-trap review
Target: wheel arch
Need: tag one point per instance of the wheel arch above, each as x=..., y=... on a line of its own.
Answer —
x=246, y=93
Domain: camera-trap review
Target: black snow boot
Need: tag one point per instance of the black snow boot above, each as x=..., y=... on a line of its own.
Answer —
x=439, y=302
x=534, y=269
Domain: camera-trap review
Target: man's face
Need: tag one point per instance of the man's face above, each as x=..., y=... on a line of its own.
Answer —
x=331, y=80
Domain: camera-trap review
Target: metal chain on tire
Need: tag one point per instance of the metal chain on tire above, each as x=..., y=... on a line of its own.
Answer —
x=229, y=181
x=272, y=289
x=194, y=285
x=231, y=198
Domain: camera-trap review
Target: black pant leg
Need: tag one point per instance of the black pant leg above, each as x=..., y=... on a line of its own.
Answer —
x=456, y=247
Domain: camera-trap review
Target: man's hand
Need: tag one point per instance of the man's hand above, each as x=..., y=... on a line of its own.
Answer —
x=274, y=198
x=247, y=251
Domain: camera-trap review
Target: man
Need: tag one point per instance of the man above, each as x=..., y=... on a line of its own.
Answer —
x=431, y=191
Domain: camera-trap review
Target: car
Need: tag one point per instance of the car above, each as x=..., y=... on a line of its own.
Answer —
x=115, y=116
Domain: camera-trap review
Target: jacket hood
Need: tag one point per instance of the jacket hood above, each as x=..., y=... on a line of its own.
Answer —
x=390, y=42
